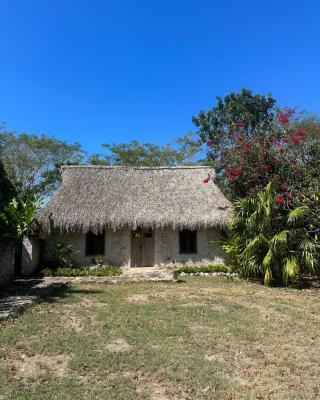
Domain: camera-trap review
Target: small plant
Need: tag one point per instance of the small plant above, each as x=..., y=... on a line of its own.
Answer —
x=191, y=269
x=82, y=271
x=63, y=255
x=100, y=260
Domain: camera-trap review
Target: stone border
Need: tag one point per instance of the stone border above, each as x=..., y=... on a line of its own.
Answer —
x=225, y=274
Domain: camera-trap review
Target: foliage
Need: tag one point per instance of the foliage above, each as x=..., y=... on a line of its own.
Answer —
x=191, y=269
x=272, y=241
x=83, y=271
x=252, y=111
x=251, y=143
x=18, y=216
x=63, y=255
x=33, y=162
x=183, y=151
x=7, y=193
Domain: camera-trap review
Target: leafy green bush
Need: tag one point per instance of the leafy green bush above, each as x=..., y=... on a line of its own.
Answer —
x=82, y=271
x=271, y=241
x=191, y=269
x=63, y=256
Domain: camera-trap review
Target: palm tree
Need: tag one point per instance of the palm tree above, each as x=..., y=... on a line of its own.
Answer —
x=271, y=241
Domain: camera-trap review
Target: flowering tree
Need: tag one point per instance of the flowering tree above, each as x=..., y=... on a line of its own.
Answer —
x=251, y=143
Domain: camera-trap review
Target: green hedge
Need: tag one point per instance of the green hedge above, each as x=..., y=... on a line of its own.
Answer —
x=191, y=269
x=83, y=271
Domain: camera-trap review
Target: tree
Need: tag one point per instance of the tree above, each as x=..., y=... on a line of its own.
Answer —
x=6, y=195
x=32, y=162
x=271, y=241
x=243, y=109
x=251, y=143
x=183, y=151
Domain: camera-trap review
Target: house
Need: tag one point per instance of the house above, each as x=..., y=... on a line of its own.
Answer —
x=136, y=216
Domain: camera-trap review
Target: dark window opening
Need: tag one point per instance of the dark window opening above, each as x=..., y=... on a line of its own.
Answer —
x=94, y=244
x=188, y=242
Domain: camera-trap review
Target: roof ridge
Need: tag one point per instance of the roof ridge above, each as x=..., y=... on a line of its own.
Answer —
x=135, y=167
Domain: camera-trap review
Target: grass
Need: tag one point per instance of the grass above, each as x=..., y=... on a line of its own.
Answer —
x=199, y=339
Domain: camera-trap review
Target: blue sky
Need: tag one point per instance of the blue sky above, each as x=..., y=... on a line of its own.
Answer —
x=102, y=71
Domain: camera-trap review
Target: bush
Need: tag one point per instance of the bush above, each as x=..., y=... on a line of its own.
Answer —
x=191, y=269
x=82, y=271
x=63, y=255
x=271, y=241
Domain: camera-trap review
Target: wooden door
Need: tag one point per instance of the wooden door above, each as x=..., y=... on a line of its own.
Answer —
x=142, y=248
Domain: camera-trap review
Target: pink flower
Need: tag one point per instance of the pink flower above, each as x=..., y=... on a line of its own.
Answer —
x=241, y=124
x=288, y=110
x=207, y=179
x=283, y=118
x=266, y=167
x=210, y=142
x=279, y=199
x=234, y=172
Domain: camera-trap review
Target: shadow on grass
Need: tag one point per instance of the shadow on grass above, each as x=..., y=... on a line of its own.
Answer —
x=303, y=282
x=21, y=293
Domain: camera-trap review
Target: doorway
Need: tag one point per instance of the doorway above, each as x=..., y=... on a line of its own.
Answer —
x=142, y=248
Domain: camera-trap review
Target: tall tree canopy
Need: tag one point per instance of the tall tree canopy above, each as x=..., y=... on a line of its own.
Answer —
x=32, y=163
x=236, y=109
x=182, y=151
x=250, y=142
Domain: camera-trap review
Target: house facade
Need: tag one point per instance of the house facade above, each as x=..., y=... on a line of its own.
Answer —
x=136, y=216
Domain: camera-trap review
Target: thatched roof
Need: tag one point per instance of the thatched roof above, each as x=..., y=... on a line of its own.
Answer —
x=92, y=198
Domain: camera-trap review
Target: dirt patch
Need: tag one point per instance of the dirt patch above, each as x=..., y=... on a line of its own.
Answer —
x=119, y=346
x=138, y=299
x=27, y=365
x=157, y=389
x=214, y=357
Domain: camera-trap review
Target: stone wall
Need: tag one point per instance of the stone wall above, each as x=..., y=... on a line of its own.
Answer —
x=118, y=247
x=167, y=248
x=7, y=247
x=30, y=256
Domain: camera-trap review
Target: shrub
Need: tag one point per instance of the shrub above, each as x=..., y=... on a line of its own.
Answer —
x=272, y=241
x=82, y=271
x=189, y=269
x=63, y=255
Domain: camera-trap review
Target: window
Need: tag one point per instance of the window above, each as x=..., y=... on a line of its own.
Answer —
x=188, y=242
x=94, y=244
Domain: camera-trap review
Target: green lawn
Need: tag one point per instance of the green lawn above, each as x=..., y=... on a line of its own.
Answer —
x=204, y=338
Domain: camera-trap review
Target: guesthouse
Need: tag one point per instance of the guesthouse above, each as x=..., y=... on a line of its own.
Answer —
x=136, y=216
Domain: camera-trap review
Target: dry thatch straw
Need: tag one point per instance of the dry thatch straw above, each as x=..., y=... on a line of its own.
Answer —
x=92, y=198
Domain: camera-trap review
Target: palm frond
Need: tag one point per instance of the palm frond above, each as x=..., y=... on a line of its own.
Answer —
x=267, y=277
x=279, y=241
x=297, y=215
x=267, y=260
x=290, y=269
